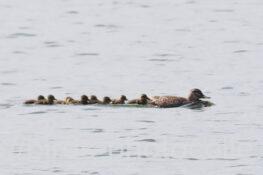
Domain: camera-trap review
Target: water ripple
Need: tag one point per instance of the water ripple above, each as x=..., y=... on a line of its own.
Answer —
x=16, y=35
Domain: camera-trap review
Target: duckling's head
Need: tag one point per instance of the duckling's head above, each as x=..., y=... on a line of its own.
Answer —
x=196, y=94
x=84, y=98
x=106, y=100
x=93, y=97
x=51, y=98
x=144, y=97
x=123, y=98
x=40, y=97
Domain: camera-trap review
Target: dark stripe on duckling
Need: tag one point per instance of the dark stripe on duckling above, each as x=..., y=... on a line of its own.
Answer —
x=121, y=100
x=32, y=101
x=142, y=101
x=174, y=101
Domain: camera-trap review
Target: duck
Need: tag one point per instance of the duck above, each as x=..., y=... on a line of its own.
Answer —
x=121, y=100
x=94, y=100
x=142, y=101
x=175, y=101
x=49, y=101
x=106, y=100
x=33, y=101
x=84, y=99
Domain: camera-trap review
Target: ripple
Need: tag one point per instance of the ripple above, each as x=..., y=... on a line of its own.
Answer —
x=94, y=130
x=146, y=121
x=72, y=12
x=227, y=88
x=56, y=87
x=16, y=35
x=52, y=44
x=224, y=159
x=160, y=60
x=37, y=112
x=87, y=54
x=191, y=158
x=240, y=165
x=102, y=155
x=146, y=140
x=9, y=72
x=240, y=51
x=19, y=52
x=8, y=84
x=5, y=105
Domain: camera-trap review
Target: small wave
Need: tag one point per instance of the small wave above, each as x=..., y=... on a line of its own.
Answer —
x=16, y=35
x=8, y=84
x=240, y=51
x=87, y=54
x=147, y=140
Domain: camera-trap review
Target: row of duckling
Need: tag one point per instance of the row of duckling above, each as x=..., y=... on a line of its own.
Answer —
x=85, y=100
x=195, y=97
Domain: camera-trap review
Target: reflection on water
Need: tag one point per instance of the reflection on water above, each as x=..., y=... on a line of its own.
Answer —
x=162, y=47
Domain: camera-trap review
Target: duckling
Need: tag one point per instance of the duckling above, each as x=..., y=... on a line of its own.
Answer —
x=94, y=100
x=49, y=101
x=174, y=101
x=32, y=101
x=106, y=100
x=142, y=101
x=83, y=100
x=121, y=100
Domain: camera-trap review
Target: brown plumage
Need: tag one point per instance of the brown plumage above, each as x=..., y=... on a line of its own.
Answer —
x=174, y=101
x=121, y=100
x=32, y=101
x=94, y=100
x=142, y=101
x=106, y=100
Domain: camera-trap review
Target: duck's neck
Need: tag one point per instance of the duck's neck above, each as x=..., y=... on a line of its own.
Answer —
x=193, y=98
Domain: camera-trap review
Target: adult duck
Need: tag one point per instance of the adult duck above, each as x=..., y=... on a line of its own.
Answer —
x=174, y=101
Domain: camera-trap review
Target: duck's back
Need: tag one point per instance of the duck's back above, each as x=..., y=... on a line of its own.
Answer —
x=170, y=101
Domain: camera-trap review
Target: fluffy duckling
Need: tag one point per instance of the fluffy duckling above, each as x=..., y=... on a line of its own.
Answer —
x=106, y=100
x=94, y=100
x=142, y=101
x=32, y=101
x=49, y=101
x=84, y=100
x=174, y=101
x=121, y=100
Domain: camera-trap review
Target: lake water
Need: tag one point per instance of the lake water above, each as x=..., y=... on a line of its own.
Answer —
x=114, y=47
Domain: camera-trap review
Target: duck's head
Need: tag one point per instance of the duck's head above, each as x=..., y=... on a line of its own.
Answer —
x=196, y=94
x=123, y=98
x=144, y=97
x=106, y=100
x=40, y=97
x=93, y=97
x=84, y=98
x=51, y=98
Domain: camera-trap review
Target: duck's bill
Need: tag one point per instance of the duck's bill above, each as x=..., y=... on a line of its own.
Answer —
x=206, y=97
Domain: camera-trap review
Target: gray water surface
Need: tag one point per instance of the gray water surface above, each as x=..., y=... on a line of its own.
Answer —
x=106, y=47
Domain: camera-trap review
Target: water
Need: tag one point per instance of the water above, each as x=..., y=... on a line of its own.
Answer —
x=156, y=47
